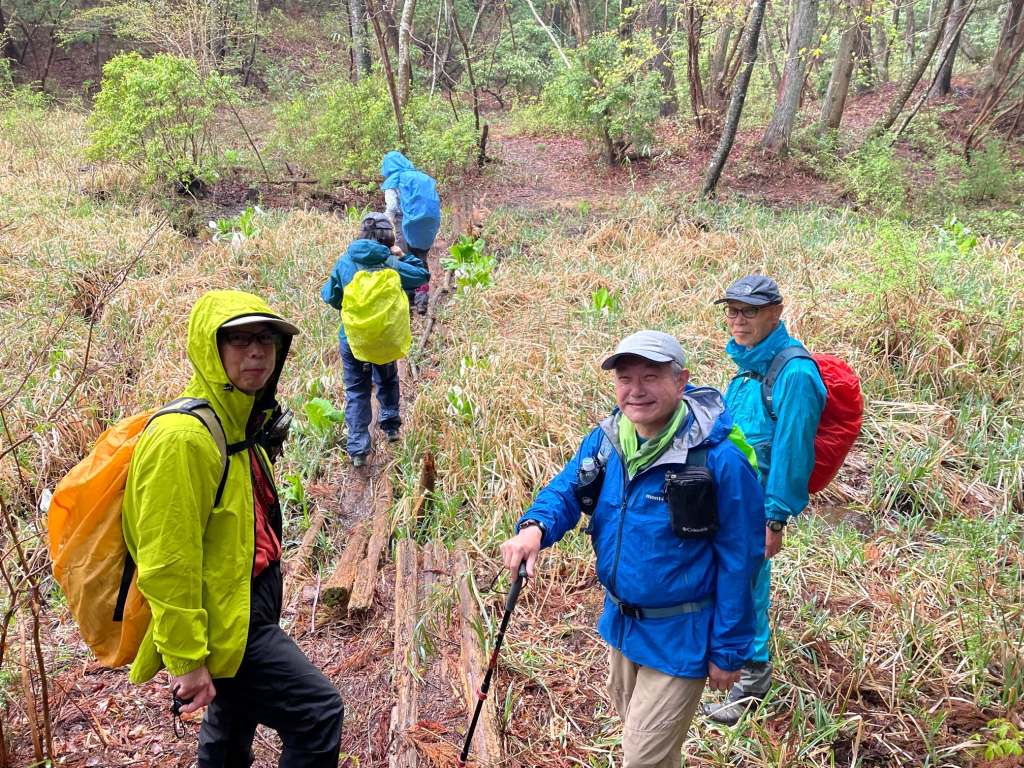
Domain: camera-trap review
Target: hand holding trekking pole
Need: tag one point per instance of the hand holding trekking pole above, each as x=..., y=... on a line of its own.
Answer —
x=522, y=548
x=481, y=694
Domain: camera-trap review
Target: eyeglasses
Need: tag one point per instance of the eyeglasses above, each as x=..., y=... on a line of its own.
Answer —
x=748, y=312
x=244, y=338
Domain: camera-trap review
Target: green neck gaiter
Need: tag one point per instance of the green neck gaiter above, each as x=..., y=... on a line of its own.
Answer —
x=639, y=458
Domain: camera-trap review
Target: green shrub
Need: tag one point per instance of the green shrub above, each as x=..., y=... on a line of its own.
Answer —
x=156, y=114
x=874, y=175
x=988, y=175
x=343, y=129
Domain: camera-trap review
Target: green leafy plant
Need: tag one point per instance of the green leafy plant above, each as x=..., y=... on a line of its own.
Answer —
x=1002, y=738
x=294, y=490
x=473, y=269
x=238, y=229
x=873, y=175
x=157, y=114
x=603, y=302
x=460, y=403
x=323, y=416
x=956, y=237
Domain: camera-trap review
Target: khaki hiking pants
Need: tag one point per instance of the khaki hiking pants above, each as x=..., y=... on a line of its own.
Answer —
x=656, y=710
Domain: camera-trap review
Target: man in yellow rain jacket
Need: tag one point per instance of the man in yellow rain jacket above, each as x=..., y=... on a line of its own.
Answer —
x=211, y=570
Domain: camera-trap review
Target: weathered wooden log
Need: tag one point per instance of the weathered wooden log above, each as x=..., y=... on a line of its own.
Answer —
x=407, y=610
x=428, y=480
x=295, y=569
x=338, y=588
x=487, y=740
x=366, y=577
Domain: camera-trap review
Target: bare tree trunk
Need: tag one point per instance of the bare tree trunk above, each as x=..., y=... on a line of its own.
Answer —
x=469, y=65
x=389, y=73
x=694, y=18
x=663, y=58
x=913, y=77
x=1009, y=39
x=834, y=103
x=714, y=93
x=864, y=55
x=357, y=9
x=801, y=29
x=582, y=20
x=404, y=46
x=773, y=67
x=882, y=42
x=628, y=11
x=943, y=81
x=910, y=33
x=739, y=95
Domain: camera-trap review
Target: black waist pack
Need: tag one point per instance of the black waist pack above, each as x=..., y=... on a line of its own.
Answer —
x=692, y=504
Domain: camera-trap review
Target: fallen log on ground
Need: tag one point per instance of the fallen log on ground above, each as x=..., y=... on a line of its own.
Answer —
x=296, y=568
x=487, y=739
x=338, y=588
x=366, y=576
x=407, y=610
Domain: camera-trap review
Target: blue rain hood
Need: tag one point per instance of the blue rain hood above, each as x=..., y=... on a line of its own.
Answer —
x=421, y=207
x=643, y=563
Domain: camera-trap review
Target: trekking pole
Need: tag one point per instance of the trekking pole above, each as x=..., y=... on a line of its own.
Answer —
x=481, y=693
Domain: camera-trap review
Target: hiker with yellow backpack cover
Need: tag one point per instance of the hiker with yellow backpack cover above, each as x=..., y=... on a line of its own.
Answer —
x=167, y=543
x=368, y=285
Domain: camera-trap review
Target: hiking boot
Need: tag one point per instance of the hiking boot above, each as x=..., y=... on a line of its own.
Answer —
x=359, y=459
x=731, y=711
x=391, y=435
x=422, y=300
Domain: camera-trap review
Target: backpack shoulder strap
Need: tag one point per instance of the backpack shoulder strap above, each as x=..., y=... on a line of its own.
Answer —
x=202, y=410
x=697, y=457
x=795, y=352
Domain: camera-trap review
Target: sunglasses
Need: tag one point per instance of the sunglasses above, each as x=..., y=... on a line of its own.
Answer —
x=244, y=338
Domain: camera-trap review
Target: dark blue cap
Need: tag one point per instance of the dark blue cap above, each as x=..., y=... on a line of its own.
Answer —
x=756, y=290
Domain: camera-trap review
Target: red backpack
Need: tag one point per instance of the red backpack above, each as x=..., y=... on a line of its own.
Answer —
x=840, y=422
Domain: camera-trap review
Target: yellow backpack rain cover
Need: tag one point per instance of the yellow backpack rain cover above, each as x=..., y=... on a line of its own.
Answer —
x=87, y=542
x=375, y=313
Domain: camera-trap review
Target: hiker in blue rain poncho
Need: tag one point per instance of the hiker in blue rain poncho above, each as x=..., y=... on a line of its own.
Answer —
x=675, y=515
x=414, y=208
x=783, y=441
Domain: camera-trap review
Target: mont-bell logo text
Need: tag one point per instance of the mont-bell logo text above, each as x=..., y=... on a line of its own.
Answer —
x=653, y=497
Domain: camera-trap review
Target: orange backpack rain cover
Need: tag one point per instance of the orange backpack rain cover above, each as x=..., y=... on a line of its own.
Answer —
x=88, y=549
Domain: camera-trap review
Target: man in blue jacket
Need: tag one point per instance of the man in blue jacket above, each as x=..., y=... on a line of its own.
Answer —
x=374, y=249
x=675, y=521
x=782, y=433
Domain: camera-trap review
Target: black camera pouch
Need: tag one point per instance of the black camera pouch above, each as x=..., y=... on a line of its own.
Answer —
x=692, y=504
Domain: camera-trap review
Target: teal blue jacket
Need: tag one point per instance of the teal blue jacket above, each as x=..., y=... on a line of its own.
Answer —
x=799, y=398
x=369, y=253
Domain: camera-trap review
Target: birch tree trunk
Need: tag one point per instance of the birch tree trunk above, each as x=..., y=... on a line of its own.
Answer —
x=910, y=33
x=404, y=47
x=805, y=19
x=950, y=41
x=739, y=95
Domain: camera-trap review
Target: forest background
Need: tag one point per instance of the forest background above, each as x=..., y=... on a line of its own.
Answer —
x=614, y=165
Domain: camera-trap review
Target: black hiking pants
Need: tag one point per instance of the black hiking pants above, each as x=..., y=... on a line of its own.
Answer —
x=275, y=686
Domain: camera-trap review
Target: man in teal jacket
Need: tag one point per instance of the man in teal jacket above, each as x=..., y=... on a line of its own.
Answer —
x=783, y=439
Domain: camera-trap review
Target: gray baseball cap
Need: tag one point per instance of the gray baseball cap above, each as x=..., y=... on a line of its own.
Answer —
x=377, y=220
x=655, y=346
x=756, y=290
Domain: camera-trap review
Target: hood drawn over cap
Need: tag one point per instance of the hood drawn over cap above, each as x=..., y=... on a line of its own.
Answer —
x=209, y=379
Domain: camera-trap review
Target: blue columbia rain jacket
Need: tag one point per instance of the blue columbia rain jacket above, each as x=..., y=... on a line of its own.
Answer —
x=644, y=564
x=421, y=207
x=369, y=253
x=799, y=398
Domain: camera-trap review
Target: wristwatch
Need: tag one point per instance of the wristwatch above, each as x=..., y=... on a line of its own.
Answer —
x=775, y=526
x=528, y=523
